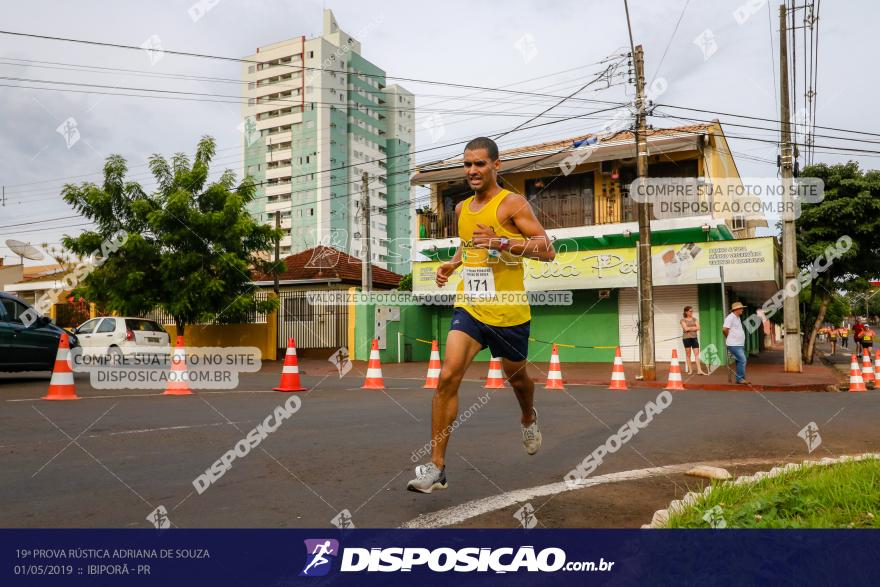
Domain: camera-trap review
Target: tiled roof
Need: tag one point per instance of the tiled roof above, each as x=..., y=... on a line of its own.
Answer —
x=562, y=144
x=44, y=276
x=328, y=263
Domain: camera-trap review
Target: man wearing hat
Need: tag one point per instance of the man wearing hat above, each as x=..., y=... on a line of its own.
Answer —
x=735, y=338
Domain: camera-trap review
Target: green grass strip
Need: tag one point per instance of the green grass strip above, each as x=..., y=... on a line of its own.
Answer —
x=843, y=495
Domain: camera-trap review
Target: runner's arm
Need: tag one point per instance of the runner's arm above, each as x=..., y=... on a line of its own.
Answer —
x=536, y=245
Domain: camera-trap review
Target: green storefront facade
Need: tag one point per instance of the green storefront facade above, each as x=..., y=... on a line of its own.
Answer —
x=588, y=330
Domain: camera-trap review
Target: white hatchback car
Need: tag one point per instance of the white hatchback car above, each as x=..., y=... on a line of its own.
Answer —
x=126, y=336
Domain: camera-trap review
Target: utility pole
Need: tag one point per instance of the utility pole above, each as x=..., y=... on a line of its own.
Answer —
x=790, y=308
x=367, y=267
x=646, y=284
x=275, y=287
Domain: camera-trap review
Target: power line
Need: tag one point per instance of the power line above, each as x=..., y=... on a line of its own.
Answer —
x=465, y=96
x=305, y=175
x=793, y=69
x=242, y=101
x=396, y=173
x=774, y=129
x=773, y=120
x=671, y=38
x=772, y=53
x=282, y=65
x=774, y=142
x=276, y=86
x=606, y=72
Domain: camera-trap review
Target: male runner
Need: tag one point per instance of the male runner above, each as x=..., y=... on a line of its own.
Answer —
x=496, y=228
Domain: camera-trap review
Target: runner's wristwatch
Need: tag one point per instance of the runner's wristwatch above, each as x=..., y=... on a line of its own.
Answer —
x=505, y=243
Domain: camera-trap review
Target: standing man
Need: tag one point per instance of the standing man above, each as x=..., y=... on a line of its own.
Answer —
x=735, y=339
x=497, y=228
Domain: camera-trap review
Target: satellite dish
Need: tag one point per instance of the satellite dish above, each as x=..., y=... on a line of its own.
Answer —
x=24, y=250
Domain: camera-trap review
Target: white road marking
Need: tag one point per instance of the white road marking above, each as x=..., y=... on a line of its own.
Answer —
x=138, y=431
x=165, y=428
x=470, y=509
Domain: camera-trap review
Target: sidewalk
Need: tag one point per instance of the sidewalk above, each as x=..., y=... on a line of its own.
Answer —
x=840, y=361
x=764, y=371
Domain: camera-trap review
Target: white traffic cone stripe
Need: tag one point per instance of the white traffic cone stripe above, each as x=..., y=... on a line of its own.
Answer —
x=290, y=369
x=61, y=379
x=617, y=376
x=433, y=372
x=291, y=351
x=554, y=375
x=675, y=376
x=62, y=354
x=374, y=373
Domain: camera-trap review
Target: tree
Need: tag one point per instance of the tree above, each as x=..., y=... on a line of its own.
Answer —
x=190, y=245
x=850, y=208
x=406, y=283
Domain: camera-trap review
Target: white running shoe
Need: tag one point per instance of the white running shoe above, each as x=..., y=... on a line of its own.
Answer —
x=428, y=478
x=532, y=436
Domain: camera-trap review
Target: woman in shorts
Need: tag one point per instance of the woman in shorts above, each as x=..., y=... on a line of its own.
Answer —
x=690, y=327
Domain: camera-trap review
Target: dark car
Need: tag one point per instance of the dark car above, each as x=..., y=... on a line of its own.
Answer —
x=27, y=348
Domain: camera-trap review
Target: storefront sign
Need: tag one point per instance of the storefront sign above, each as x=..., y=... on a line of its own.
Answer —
x=743, y=261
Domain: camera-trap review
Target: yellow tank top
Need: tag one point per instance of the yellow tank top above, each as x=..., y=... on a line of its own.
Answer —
x=492, y=286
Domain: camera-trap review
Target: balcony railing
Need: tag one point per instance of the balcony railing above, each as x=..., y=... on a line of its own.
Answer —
x=556, y=212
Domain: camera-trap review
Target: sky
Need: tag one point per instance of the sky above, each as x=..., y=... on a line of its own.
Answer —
x=709, y=54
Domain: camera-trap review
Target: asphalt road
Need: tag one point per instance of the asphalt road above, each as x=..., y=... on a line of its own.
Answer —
x=110, y=459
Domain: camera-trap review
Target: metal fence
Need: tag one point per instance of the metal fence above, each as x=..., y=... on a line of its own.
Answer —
x=314, y=326
x=164, y=317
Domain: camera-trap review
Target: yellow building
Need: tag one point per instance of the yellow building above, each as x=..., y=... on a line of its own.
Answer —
x=580, y=190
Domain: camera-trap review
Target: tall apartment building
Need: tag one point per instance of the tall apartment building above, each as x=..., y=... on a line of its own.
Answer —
x=318, y=116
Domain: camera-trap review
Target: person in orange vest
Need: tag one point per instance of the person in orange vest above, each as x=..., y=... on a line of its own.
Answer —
x=868, y=338
x=832, y=335
x=843, y=333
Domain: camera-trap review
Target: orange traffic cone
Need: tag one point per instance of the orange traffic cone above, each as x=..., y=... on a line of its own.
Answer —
x=177, y=379
x=877, y=363
x=554, y=375
x=433, y=378
x=495, y=378
x=867, y=368
x=618, y=377
x=61, y=385
x=856, y=383
x=290, y=370
x=374, y=378
x=674, y=382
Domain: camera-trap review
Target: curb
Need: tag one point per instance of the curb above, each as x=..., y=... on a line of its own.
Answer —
x=812, y=387
x=806, y=387
x=660, y=518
